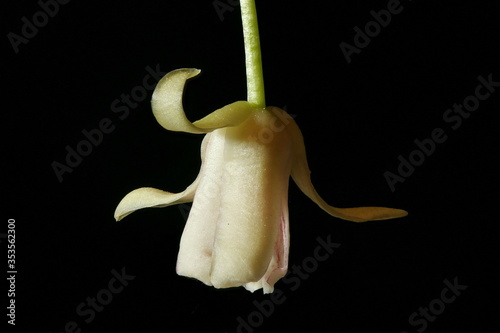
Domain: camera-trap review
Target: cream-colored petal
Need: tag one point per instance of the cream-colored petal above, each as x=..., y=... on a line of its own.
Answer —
x=195, y=251
x=230, y=115
x=301, y=176
x=255, y=180
x=169, y=112
x=147, y=197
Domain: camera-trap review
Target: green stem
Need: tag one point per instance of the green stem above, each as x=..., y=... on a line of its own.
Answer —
x=253, y=60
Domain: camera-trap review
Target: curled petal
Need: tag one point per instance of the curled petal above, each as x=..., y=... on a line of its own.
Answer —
x=301, y=176
x=169, y=112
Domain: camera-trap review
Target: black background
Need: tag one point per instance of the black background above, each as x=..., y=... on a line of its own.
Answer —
x=356, y=119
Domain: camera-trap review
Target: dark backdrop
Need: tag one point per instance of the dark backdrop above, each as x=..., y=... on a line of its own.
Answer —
x=357, y=118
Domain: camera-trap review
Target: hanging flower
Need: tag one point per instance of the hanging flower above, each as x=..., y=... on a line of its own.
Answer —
x=237, y=233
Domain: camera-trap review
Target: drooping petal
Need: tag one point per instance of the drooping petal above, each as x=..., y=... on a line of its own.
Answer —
x=254, y=183
x=301, y=176
x=169, y=112
x=147, y=197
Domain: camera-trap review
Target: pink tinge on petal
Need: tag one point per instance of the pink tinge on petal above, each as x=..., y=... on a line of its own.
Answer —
x=278, y=265
x=281, y=252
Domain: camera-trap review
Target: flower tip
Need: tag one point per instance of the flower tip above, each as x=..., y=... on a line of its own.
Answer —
x=191, y=72
x=119, y=215
x=383, y=213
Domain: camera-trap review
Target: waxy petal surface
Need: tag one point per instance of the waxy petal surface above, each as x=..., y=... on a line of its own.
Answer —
x=237, y=230
x=278, y=267
x=195, y=251
x=254, y=184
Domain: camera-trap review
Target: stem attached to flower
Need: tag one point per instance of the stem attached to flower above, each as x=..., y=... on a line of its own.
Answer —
x=253, y=60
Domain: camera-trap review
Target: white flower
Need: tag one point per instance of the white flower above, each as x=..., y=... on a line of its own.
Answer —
x=237, y=232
